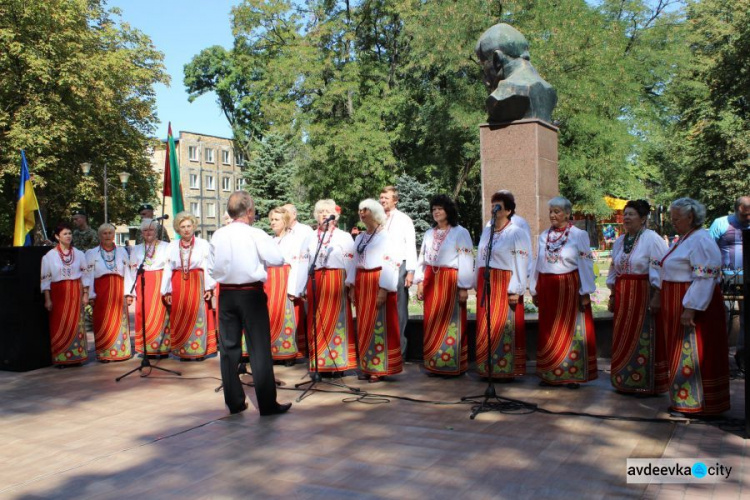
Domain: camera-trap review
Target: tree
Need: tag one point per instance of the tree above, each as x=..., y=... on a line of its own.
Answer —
x=272, y=179
x=706, y=152
x=368, y=90
x=75, y=86
x=414, y=201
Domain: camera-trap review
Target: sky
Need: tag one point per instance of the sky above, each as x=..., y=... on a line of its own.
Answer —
x=180, y=29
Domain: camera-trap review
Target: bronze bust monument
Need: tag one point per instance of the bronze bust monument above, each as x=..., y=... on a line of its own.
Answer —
x=516, y=89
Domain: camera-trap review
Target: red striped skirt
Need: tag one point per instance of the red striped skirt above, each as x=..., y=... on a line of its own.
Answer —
x=282, y=312
x=507, y=332
x=111, y=319
x=697, y=356
x=157, y=321
x=567, y=345
x=639, y=363
x=446, y=347
x=378, y=333
x=192, y=321
x=333, y=324
x=67, y=336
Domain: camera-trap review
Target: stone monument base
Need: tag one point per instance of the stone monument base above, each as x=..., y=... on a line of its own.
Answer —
x=520, y=156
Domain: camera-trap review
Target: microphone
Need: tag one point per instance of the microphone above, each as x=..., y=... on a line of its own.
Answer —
x=163, y=217
x=495, y=209
x=330, y=218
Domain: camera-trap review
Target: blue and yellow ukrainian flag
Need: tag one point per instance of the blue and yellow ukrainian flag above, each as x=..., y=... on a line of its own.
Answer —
x=25, y=205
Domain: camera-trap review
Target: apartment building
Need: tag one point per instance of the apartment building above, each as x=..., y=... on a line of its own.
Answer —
x=210, y=170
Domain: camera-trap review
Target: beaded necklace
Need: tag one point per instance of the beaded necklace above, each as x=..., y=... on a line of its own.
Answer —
x=186, y=253
x=553, y=247
x=149, y=251
x=364, y=242
x=67, y=260
x=322, y=235
x=629, y=244
x=110, y=261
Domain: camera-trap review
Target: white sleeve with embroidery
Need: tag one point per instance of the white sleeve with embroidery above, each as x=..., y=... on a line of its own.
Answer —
x=705, y=258
x=585, y=264
x=465, y=249
x=534, y=274
x=656, y=250
x=520, y=256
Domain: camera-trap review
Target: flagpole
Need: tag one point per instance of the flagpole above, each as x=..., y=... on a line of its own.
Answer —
x=41, y=219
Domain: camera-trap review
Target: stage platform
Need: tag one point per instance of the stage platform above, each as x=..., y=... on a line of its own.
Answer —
x=76, y=433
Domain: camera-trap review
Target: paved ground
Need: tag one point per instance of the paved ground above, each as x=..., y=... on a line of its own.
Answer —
x=76, y=433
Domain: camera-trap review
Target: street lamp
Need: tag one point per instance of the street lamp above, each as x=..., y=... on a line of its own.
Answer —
x=124, y=176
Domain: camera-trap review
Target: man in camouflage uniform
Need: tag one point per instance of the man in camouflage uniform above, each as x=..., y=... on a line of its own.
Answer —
x=147, y=212
x=84, y=237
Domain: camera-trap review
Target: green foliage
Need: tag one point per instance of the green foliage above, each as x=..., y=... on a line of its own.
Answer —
x=272, y=179
x=75, y=86
x=414, y=201
x=366, y=91
x=706, y=148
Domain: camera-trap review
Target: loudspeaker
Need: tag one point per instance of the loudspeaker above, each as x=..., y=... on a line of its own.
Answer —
x=24, y=322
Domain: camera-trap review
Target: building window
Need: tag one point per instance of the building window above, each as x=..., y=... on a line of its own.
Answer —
x=210, y=182
x=195, y=182
x=240, y=159
x=226, y=183
x=240, y=184
x=225, y=157
x=121, y=239
x=195, y=208
x=211, y=210
x=193, y=153
x=209, y=155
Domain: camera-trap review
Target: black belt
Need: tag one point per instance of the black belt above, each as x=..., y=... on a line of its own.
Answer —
x=256, y=285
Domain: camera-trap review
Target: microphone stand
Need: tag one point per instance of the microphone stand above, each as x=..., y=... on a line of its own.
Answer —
x=145, y=363
x=314, y=374
x=492, y=402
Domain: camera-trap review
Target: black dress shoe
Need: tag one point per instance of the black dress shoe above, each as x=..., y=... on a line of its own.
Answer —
x=278, y=410
x=240, y=409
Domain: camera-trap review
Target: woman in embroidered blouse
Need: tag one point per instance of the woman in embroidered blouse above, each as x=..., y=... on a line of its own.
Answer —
x=110, y=281
x=508, y=265
x=372, y=288
x=639, y=363
x=284, y=287
x=693, y=318
x=154, y=252
x=188, y=288
x=560, y=285
x=444, y=275
x=65, y=287
x=331, y=342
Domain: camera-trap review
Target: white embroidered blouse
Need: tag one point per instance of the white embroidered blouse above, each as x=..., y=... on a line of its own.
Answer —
x=101, y=263
x=450, y=248
x=377, y=251
x=293, y=246
x=574, y=255
x=337, y=251
x=197, y=259
x=644, y=258
x=510, y=251
x=156, y=261
x=695, y=259
x=54, y=270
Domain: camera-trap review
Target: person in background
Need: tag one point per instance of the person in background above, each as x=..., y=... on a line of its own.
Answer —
x=296, y=227
x=146, y=211
x=727, y=233
x=84, y=237
x=400, y=228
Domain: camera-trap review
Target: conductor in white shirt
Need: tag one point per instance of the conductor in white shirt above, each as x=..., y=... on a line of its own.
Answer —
x=401, y=235
x=237, y=261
